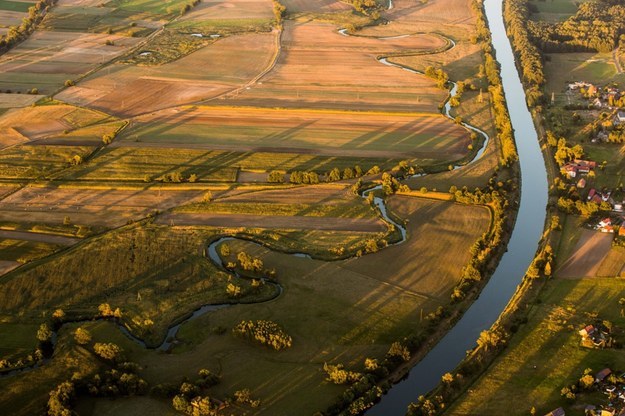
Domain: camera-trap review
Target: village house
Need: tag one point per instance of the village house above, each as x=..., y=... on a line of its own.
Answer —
x=602, y=375
x=581, y=184
x=620, y=117
x=557, y=412
x=594, y=337
x=578, y=166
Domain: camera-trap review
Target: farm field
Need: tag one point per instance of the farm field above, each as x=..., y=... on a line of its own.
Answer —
x=49, y=58
x=141, y=90
x=526, y=372
x=327, y=133
x=170, y=169
x=104, y=207
x=320, y=68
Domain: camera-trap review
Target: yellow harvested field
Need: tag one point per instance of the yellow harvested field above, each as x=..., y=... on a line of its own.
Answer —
x=220, y=67
x=319, y=67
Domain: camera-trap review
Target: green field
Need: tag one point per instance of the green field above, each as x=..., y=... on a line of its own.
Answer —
x=16, y=6
x=17, y=340
x=545, y=354
x=596, y=68
x=24, y=251
x=33, y=162
x=553, y=10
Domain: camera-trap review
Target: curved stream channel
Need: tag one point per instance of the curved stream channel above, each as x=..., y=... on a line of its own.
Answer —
x=451, y=349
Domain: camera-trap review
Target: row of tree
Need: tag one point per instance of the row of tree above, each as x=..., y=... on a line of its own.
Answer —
x=17, y=34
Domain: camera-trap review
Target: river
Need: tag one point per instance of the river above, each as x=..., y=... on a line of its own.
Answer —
x=451, y=349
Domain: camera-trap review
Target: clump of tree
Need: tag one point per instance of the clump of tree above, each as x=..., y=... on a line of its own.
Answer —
x=275, y=176
x=438, y=75
x=61, y=400
x=264, y=332
x=244, y=396
x=337, y=374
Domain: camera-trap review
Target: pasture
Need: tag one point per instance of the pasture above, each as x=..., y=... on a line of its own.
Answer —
x=545, y=355
x=385, y=304
x=596, y=68
x=38, y=162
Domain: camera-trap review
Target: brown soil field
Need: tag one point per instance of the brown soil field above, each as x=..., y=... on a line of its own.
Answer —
x=18, y=100
x=591, y=249
x=273, y=221
x=231, y=9
x=36, y=123
x=317, y=6
x=433, y=12
x=131, y=90
x=48, y=58
x=330, y=133
x=318, y=67
x=89, y=206
x=38, y=237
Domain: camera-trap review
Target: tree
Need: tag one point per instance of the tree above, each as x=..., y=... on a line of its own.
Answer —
x=275, y=177
x=547, y=270
x=233, y=290
x=44, y=333
x=447, y=378
x=224, y=250
x=82, y=336
x=207, y=197
x=108, y=351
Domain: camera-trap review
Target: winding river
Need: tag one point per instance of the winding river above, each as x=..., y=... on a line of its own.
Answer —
x=451, y=349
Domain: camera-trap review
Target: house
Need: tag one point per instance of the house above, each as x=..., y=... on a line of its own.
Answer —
x=587, y=331
x=581, y=184
x=605, y=222
x=570, y=170
x=556, y=412
x=584, y=166
x=602, y=375
x=578, y=84
x=591, y=193
x=620, y=117
x=607, y=229
x=597, y=102
x=618, y=207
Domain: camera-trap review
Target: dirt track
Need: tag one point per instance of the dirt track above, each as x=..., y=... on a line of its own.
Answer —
x=269, y=221
x=591, y=249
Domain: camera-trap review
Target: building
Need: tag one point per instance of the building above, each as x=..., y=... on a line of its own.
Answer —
x=557, y=412
x=602, y=375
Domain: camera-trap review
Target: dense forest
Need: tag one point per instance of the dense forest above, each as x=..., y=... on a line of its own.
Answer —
x=597, y=26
